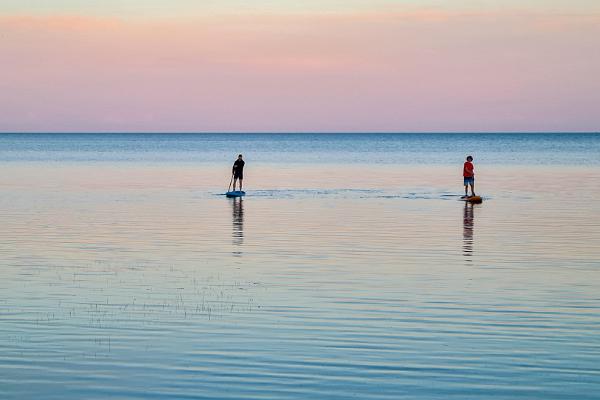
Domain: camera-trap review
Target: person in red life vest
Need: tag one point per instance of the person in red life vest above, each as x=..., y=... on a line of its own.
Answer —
x=469, y=176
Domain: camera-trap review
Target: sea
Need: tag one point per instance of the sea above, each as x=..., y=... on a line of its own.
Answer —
x=350, y=270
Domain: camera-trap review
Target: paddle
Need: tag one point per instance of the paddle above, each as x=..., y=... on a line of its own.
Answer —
x=229, y=189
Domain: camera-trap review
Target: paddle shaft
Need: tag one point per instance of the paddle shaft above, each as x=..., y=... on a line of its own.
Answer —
x=230, y=182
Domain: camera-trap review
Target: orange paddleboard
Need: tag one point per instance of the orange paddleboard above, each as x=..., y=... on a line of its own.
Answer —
x=472, y=199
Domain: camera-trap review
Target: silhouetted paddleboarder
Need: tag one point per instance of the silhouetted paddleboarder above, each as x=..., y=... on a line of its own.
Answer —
x=238, y=172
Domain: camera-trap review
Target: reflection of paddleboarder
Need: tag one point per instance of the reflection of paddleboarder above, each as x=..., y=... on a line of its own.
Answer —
x=468, y=225
x=237, y=205
x=238, y=171
x=469, y=176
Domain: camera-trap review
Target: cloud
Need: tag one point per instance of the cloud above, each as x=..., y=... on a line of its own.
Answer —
x=57, y=22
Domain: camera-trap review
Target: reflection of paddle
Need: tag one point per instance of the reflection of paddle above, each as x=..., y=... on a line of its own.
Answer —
x=229, y=189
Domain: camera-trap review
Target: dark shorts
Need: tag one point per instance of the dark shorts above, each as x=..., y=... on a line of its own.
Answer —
x=239, y=176
x=469, y=180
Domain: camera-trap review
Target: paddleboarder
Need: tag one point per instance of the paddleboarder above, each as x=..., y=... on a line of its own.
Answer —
x=238, y=171
x=469, y=176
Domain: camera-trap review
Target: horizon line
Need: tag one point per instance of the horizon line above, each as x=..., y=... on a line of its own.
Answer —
x=292, y=132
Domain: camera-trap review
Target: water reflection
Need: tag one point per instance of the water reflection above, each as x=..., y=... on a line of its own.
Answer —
x=468, y=225
x=237, y=216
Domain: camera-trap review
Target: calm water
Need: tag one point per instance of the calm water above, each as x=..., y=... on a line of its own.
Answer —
x=350, y=270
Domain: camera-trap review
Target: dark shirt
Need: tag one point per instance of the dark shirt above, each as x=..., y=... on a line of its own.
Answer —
x=238, y=167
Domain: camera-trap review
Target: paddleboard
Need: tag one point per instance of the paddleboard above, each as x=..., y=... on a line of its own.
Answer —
x=237, y=193
x=472, y=199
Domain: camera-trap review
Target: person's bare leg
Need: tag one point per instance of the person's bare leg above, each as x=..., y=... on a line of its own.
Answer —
x=234, y=183
x=467, y=190
x=241, y=183
x=473, y=189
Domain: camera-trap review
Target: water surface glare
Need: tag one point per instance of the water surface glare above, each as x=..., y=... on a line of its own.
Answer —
x=127, y=274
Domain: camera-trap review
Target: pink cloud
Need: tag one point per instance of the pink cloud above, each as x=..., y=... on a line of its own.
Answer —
x=58, y=22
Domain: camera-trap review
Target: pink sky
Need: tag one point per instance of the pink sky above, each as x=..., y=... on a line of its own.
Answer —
x=388, y=69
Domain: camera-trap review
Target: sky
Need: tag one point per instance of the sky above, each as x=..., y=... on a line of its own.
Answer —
x=290, y=66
